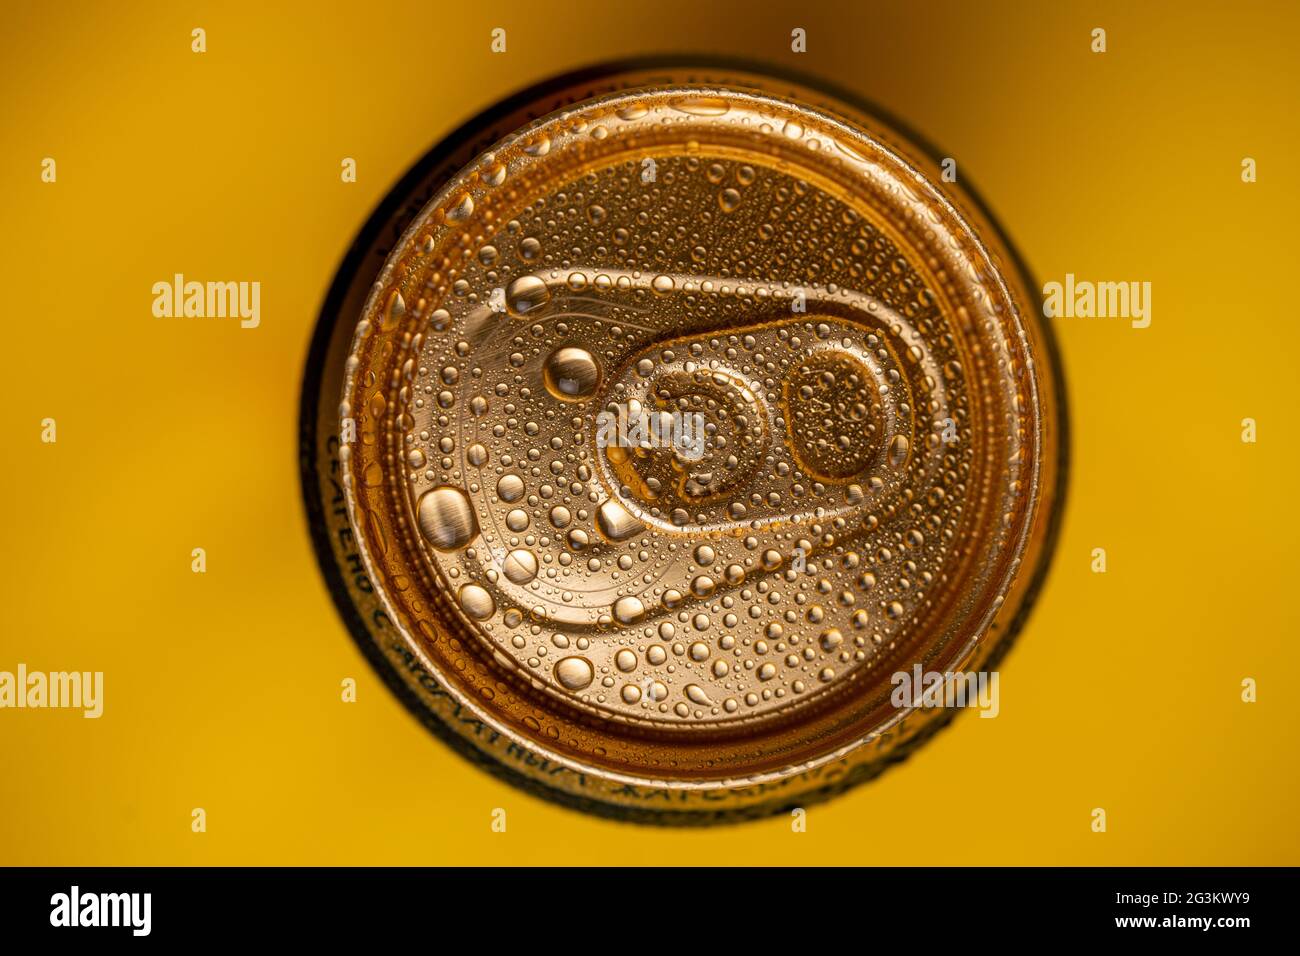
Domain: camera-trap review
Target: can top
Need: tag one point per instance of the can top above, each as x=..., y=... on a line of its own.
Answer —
x=685, y=418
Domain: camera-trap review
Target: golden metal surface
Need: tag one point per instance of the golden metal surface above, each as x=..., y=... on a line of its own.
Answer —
x=677, y=628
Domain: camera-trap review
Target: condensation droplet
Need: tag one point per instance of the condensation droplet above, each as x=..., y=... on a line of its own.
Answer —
x=520, y=566
x=446, y=518
x=526, y=295
x=616, y=523
x=628, y=610
x=461, y=208
x=510, y=488
x=571, y=374
x=701, y=105
x=574, y=673
x=476, y=602
x=898, y=449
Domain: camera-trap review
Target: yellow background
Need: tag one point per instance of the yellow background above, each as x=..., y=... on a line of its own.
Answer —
x=222, y=690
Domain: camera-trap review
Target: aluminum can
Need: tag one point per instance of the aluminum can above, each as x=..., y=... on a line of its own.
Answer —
x=660, y=420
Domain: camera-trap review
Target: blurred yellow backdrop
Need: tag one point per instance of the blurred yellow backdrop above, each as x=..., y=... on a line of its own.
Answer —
x=222, y=689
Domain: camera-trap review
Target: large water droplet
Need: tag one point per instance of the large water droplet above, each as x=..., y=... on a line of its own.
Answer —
x=696, y=694
x=520, y=566
x=898, y=449
x=476, y=602
x=574, y=673
x=628, y=610
x=616, y=523
x=571, y=374
x=526, y=295
x=701, y=105
x=446, y=518
x=460, y=208
x=394, y=309
x=510, y=488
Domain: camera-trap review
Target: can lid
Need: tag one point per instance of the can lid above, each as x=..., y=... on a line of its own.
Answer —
x=685, y=418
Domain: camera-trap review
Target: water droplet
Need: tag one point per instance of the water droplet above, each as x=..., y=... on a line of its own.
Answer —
x=898, y=449
x=574, y=673
x=476, y=602
x=461, y=208
x=526, y=295
x=520, y=566
x=394, y=309
x=616, y=523
x=446, y=518
x=696, y=693
x=701, y=105
x=571, y=374
x=510, y=488
x=628, y=610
